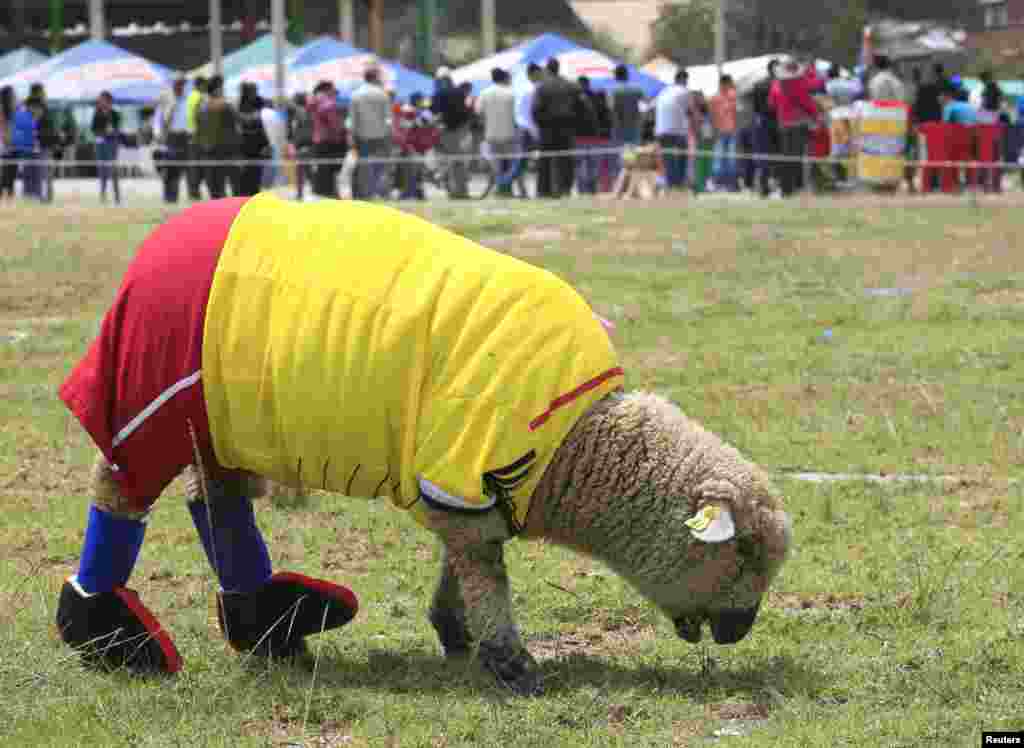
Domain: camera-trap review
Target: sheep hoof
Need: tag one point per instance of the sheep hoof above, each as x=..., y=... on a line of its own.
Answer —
x=451, y=630
x=517, y=671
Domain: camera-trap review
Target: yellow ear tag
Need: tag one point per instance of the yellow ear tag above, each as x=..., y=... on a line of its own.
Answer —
x=703, y=519
x=712, y=524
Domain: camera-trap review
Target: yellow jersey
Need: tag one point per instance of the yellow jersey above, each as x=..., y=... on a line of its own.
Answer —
x=359, y=349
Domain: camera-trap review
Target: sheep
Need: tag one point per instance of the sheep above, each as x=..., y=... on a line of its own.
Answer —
x=482, y=429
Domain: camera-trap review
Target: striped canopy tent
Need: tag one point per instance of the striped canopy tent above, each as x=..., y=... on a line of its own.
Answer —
x=20, y=59
x=326, y=58
x=574, y=61
x=81, y=73
x=661, y=68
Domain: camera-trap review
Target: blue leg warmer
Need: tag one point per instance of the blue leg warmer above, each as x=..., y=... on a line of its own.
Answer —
x=233, y=543
x=111, y=548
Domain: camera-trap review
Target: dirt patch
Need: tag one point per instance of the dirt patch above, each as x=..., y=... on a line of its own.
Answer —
x=721, y=720
x=33, y=485
x=542, y=234
x=351, y=551
x=796, y=602
x=690, y=732
x=740, y=711
x=289, y=732
x=1002, y=297
x=970, y=505
x=592, y=641
x=668, y=355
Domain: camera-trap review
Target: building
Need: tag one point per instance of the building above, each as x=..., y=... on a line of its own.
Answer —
x=997, y=32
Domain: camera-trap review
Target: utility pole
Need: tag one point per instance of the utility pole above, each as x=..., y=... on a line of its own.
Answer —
x=426, y=34
x=347, y=21
x=296, y=33
x=376, y=26
x=216, y=38
x=277, y=28
x=97, y=24
x=56, y=26
x=489, y=27
x=720, y=23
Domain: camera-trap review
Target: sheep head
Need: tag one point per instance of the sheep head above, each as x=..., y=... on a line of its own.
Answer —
x=725, y=564
x=723, y=533
x=688, y=521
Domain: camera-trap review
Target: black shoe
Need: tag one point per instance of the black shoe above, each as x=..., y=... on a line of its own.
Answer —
x=114, y=630
x=273, y=620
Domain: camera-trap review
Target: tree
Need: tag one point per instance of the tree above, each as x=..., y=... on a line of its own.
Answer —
x=685, y=32
x=986, y=61
x=826, y=28
x=833, y=29
x=604, y=40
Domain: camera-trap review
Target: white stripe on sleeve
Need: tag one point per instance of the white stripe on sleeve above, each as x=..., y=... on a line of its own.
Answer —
x=154, y=406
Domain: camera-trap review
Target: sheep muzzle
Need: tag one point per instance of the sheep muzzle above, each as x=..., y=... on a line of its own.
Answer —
x=730, y=626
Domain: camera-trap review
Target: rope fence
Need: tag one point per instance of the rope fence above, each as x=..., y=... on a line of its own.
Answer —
x=155, y=174
x=772, y=158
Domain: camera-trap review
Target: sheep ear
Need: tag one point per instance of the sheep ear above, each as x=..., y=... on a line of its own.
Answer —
x=712, y=524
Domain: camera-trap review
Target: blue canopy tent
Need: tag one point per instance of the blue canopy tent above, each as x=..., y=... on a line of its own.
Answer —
x=574, y=61
x=259, y=52
x=20, y=59
x=1012, y=88
x=326, y=58
x=81, y=73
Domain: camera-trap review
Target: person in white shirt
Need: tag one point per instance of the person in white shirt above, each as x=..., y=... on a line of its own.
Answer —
x=275, y=125
x=371, y=132
x=671, y=128
x=497, y=107
x=171, y=126
x=529, y=133
x=885, y=86
x=524, y=107
x=843, y=91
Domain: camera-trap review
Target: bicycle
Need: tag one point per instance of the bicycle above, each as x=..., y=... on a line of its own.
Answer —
x=437, y=170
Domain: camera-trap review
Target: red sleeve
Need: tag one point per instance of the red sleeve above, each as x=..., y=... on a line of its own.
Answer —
x=807, y=102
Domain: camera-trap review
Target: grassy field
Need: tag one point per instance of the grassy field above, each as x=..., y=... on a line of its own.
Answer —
x=898, y=622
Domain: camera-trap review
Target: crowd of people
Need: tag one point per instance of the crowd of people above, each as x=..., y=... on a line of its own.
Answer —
x=218, y=146
x=29, y=134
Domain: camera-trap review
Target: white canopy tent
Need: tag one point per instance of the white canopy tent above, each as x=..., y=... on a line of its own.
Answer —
x=746, y=73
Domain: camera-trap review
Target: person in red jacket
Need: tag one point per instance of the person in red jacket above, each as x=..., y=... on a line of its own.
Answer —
x=796, y=110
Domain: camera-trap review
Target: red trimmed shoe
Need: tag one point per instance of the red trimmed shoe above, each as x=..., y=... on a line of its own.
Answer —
x=274, y=620
x=114, y=630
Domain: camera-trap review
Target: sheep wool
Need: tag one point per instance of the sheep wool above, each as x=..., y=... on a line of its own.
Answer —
x=629, y=486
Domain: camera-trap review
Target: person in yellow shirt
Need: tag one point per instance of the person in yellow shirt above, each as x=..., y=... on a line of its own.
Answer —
x=194, y=173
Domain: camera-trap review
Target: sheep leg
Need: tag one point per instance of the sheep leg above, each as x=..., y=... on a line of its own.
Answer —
x=472, y=604
x=448, y=613
x=483, y=582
